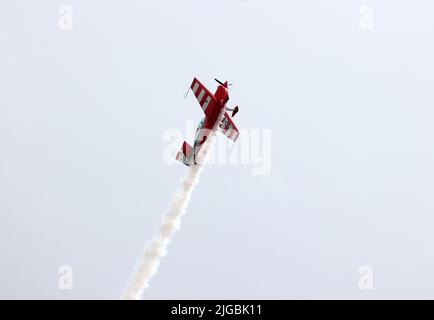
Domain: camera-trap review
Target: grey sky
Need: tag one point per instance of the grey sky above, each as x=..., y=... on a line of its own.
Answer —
x=83, y=181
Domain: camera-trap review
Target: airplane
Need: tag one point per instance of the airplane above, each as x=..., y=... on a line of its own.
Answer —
x=212, y=105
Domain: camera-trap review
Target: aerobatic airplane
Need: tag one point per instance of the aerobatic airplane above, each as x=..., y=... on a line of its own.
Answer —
x=212, y=105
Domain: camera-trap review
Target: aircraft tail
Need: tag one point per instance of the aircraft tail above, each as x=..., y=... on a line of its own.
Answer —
x=186, y=154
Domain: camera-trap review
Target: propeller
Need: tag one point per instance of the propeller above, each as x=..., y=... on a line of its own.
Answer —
x=226, y=84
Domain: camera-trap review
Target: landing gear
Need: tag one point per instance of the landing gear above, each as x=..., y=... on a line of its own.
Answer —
x=234, y=110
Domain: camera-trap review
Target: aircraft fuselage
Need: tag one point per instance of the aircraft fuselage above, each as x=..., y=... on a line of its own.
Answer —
x=205, y=127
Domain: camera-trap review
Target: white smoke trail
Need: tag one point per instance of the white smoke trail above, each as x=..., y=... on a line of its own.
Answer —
x=148, y=267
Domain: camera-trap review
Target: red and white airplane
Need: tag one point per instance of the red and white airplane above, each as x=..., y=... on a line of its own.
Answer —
x=212, y=105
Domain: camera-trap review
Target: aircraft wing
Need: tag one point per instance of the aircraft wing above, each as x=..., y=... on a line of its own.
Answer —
x=228, y=128
x=205, y=98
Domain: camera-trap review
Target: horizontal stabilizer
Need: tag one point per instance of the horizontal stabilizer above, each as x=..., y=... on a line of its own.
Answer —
x=186, y=154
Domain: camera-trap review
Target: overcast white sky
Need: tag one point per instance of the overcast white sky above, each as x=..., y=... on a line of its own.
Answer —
x=83, y=113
